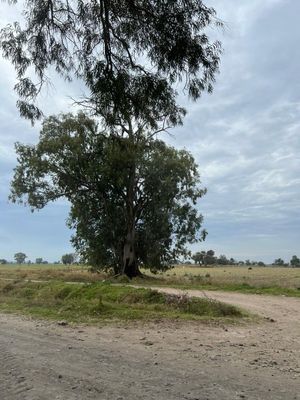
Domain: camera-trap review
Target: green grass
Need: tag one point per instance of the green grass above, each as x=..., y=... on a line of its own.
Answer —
x=100, y=302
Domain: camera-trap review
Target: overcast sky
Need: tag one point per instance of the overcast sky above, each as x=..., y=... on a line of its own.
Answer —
x=245, y=138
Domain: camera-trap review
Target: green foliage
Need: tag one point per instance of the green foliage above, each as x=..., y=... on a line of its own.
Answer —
x=20, y=257
x=102, y=43
x=198, y=257
x=222, y=260
x=204, y=257
x=132, y=198
x=279, y=262
x=68, y=259
x=295, y=261
x=261, y=264
x=209, y=257
x=117, y=187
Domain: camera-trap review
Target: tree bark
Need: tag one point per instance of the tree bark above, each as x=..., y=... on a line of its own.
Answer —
x=130, y=264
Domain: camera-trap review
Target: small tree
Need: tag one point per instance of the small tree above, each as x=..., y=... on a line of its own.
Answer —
x=198, y=257
x=20, y=257
x=222, y=260
x=67, y=259
x=3, y=261
x=39, y=260
x=295, y=261
x=279, y=262
x=209, y=258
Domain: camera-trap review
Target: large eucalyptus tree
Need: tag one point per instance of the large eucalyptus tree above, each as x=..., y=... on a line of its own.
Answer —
x=132, y=56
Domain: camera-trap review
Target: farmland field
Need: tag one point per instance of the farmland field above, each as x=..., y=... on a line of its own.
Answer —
x=256, y=276
x=74, y=273
x=267, y=280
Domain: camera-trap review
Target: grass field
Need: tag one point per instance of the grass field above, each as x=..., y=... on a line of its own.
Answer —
x=49, y=272
x=267, y=280
x=256, y=276
x=260, y=280
x=100, y=302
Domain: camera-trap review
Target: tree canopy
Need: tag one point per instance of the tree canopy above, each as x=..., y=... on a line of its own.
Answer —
x=132, y=202
x=129, y=54
x=278, y=261
x=20, y=257
x=68, y=258
x=295, y=261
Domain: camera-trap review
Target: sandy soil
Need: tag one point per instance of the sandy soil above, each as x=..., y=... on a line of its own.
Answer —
x=42, y=360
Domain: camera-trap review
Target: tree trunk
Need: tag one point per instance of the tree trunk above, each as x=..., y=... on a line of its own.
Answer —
x=130, y=264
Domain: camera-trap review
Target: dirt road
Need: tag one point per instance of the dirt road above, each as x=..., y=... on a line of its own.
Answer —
x=45, y=361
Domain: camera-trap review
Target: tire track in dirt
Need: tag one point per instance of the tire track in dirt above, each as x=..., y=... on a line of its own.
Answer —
x=13, y=384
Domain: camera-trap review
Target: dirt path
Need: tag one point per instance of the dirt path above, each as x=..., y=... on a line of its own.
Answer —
x=45, y=361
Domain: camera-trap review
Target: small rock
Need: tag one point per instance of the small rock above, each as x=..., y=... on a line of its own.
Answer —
x=59, y=376
x=62, y=323
x=270, y=320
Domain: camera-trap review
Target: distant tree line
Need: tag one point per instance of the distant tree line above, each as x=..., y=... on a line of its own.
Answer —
x=20, y=258
x=202, y=258
x=205, y=258
x=294, y=262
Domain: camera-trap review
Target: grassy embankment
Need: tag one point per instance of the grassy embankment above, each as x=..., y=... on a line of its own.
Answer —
x=261, y=280
x=103, y=302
